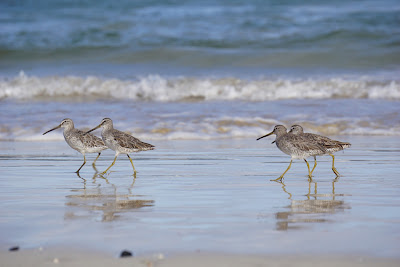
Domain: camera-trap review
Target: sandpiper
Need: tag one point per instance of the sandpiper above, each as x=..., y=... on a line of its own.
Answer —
x=80, y=141
x=330, y=145
x=120, y=142
x=296, y=146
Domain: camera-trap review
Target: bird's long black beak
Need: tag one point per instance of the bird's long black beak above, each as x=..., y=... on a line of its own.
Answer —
x=265, y=135
x=55, y=128
x=97, y=127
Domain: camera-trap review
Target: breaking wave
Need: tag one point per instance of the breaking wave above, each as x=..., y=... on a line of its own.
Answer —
x=165, y=89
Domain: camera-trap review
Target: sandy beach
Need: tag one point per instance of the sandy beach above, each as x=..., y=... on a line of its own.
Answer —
x=57, y=257
x=203, y=202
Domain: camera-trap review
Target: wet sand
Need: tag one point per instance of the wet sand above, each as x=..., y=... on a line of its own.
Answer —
x=208, y=200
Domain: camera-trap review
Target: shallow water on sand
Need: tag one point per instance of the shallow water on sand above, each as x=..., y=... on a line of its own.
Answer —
x=203, y=195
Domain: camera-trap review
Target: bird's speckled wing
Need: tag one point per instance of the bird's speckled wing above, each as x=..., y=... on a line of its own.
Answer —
x=327, y=142
x=128, y=141
x=301, y=145
x=90, y=139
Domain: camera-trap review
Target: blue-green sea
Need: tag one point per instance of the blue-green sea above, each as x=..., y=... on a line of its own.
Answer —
x=126, y=38
x=200, y=69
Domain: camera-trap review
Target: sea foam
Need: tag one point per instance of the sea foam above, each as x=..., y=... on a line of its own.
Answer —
x=164, y=89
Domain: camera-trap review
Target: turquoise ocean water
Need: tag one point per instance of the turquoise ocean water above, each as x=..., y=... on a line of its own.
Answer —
x=200, y=69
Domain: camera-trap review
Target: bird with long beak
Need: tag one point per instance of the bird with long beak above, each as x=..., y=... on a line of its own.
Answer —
x=81, y=142
x=120, y=142
x=296, y=146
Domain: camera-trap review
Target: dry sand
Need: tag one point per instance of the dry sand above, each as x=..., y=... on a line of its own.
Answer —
x=59, y=257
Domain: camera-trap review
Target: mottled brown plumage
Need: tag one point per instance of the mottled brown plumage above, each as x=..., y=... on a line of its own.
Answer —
x=298, y=147
x=128, y=142
x=330, y=145
x=120, y=142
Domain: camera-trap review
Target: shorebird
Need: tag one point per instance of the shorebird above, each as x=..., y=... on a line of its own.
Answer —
x=296, y=146
x=330, y=145
x=120, y=142
x=80, y=141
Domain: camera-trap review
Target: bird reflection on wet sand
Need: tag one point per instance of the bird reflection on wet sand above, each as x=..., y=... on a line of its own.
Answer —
x=93, y=178
x=311, y=210
x=102, y=201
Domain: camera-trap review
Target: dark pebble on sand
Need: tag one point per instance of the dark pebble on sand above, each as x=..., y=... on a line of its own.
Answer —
x=16, y=248
x=125, y=253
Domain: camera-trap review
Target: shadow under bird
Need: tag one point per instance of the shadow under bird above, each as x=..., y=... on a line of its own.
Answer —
x=80, y=141
x=330, y=145
x=297, y=146
x=120, y=142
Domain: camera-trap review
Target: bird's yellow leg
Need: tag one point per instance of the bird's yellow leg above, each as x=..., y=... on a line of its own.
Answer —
x=96, y=159
x=112, y=164
x=280, y=177
x=315, y=164
x=84, y=162
x=134, y=171
x=308, y=166
x=333, y=165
